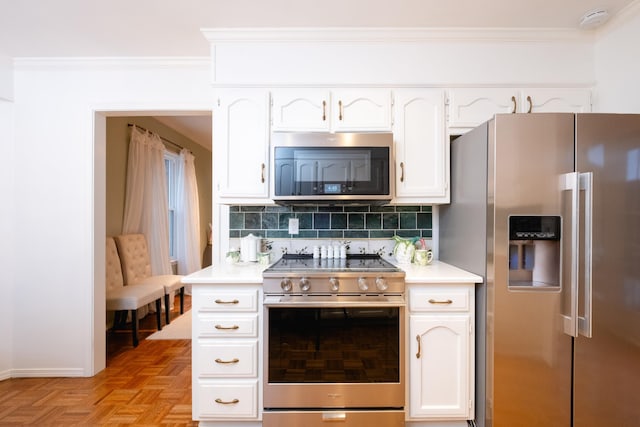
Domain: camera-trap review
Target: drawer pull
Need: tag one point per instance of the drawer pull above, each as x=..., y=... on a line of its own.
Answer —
x=229, y=402
x=445, y=302
x=224, y=328
x=234, y=360
x=219, y=301
x=419, y=347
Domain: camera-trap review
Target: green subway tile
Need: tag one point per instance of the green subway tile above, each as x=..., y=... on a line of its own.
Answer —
x=357, y=208
x=407, y=220
x=258, y=232
x=270, y=221
x=408, y=233
x=338, y=221
x=427, y=208
x=356, y=221
x=252, y=208
x=306, y=234
x=234, y=208
x=234, y=233
x=236, y=221
x=390, y=221
x=330, y=209
x=381, y=234
x=383, y=209
x=356, y=234
x=277, y=234
x=407, y=208
x=304, y=208
x=277, y=208
x=373, y=221
x=321, y=221
x=427, y=233
x=423, y=220
x=305, y=220
x=330, y=234
x=283, y=220
x=252, y=220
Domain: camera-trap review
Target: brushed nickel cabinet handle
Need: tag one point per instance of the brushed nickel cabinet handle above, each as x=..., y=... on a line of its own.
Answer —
x=515, y=105
x=339, y=110
x=219, y=301
x=262, y=172
x=419, y=347
x=228, y=362
x=225, y=328
x=227, y=402
x=446, y=302
x=530, y=104
x=324, y=111
x=401, y=171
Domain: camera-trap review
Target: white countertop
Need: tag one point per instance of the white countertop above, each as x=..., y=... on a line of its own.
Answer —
x=251, y=273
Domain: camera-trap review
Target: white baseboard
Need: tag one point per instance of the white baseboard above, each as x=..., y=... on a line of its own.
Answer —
x=43, y=373
x=5, y=375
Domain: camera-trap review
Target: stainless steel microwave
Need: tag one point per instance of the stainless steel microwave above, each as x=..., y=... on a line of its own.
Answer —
x=331, y=168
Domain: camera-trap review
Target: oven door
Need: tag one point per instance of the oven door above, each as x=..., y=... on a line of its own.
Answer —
x=334, y=352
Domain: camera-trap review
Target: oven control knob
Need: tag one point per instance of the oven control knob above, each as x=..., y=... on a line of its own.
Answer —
x=334, y=284
x=286, y=285
x=305, y=285
x=381, y=284
x=362, y=284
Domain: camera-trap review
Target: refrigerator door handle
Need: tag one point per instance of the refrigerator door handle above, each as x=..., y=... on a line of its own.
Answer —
x=585, y=321
x=570, y=182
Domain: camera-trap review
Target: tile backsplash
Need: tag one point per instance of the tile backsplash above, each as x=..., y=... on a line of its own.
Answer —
x=331, y=222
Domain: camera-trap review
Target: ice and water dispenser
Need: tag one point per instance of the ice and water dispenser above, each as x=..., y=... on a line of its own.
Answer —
x=534, y=252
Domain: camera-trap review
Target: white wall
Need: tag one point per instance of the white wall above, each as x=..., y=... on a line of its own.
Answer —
x=55, y=107
x=618, y=66
x=6, y=78
x=7, y=227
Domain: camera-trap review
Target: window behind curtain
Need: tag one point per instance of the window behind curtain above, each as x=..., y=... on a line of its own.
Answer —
x=171, y=167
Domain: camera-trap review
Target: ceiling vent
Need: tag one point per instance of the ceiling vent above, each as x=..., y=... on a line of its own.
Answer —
x=593, y=18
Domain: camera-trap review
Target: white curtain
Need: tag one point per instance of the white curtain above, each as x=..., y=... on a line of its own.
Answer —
x=146, y=204
x=187, y=215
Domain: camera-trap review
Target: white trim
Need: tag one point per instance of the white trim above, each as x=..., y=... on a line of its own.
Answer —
x=26, y=63
x=625, y=15
x=49, y=372
x=390, y=35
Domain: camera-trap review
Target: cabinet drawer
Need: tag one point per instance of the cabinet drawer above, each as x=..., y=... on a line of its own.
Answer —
x=226, y=326
x=440, y=299
x=228, y=400
x=227, y=360
x=228, y=301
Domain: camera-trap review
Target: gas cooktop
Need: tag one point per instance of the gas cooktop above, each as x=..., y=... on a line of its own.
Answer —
x=353, y=263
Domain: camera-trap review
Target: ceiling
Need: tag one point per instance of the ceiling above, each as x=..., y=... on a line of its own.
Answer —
x=161, y=28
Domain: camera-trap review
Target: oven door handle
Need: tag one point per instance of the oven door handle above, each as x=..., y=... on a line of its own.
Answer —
x=333, y=301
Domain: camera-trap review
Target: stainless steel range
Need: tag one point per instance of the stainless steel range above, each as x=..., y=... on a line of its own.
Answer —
x=334, y=342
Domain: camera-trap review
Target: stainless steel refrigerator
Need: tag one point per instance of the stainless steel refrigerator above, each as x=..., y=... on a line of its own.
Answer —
x=546, y=208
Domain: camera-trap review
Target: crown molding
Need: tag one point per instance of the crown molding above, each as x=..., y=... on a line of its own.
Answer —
x=111, y=62
x=390, y=35
x=631, y=11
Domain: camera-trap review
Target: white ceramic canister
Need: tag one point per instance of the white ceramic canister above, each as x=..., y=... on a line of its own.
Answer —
x=249, y=248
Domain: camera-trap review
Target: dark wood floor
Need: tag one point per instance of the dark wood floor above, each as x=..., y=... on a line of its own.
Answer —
x=143, y=386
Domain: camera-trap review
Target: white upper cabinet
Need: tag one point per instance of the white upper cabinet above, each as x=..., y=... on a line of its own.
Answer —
x=241, y=143
x=361, y=110
x=469, y=107
x=300, y=109
x=422, y=150
x=340, y=110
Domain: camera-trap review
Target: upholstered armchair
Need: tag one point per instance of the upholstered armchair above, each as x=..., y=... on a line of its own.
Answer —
x=136, y=269
x=124, y=299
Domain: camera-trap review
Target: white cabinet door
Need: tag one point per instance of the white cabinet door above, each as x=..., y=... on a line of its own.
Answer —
x=422, y=150
x=470, y=107
x=300, y=110
x=241, y=143
x=555, y=101
x=439, y=365
x=354, y=110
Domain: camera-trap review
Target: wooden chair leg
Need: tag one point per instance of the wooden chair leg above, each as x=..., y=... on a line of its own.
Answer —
x=159, y=313
x=134, y=326
x=182, y=300
x=167, y=309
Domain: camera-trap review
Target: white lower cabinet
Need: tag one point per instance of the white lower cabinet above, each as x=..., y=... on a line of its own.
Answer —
x=441, y=352
x=226, y=354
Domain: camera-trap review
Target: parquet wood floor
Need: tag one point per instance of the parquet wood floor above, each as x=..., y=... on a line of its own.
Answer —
x=149, y=385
